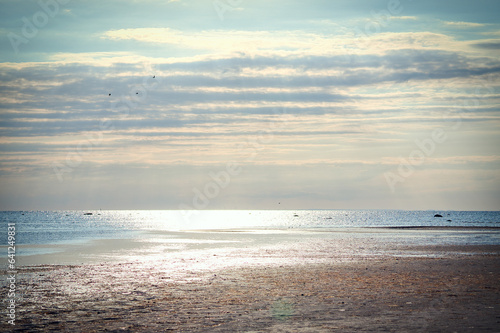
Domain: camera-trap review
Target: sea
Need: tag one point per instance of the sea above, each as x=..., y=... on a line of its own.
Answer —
x=41, y=232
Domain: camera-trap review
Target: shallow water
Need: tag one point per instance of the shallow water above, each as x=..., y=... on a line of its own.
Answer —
x=72, y=237
x=204, y=249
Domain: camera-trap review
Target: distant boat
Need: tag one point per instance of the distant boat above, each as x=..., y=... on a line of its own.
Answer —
x=438, y=215
x=88, y=214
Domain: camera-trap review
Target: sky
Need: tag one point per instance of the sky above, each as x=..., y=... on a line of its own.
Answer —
x=239, y=104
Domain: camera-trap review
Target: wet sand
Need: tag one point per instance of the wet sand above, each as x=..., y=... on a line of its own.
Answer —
x=322, y=285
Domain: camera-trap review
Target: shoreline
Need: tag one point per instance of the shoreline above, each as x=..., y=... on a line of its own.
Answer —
x=449, y=293
x=162, y=242
x=266, y=281
x=158, y=243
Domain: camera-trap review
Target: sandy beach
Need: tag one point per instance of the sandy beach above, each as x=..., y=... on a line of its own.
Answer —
x=323, y=284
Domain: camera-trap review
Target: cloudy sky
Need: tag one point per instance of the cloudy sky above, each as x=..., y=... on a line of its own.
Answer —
x=241, y=104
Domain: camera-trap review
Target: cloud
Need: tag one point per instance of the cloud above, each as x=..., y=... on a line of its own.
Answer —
x=464, y=25
x=312, y=109
x=148, y=35
x=70, y=98
x=411, y=18
x=488, y=45
x=292, y=42
x=222, y=41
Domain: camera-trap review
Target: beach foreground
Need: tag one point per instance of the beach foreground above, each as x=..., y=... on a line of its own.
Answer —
x=422, y=288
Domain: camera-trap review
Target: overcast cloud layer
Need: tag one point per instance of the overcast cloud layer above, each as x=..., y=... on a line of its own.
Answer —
x=249, y=104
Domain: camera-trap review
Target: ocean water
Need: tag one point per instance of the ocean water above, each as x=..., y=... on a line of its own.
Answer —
x=39, y=232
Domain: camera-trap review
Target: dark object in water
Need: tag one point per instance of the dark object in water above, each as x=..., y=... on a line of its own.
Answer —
x=448, y=220
x=88, y=214
x=438, y=215
x=295, y=215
